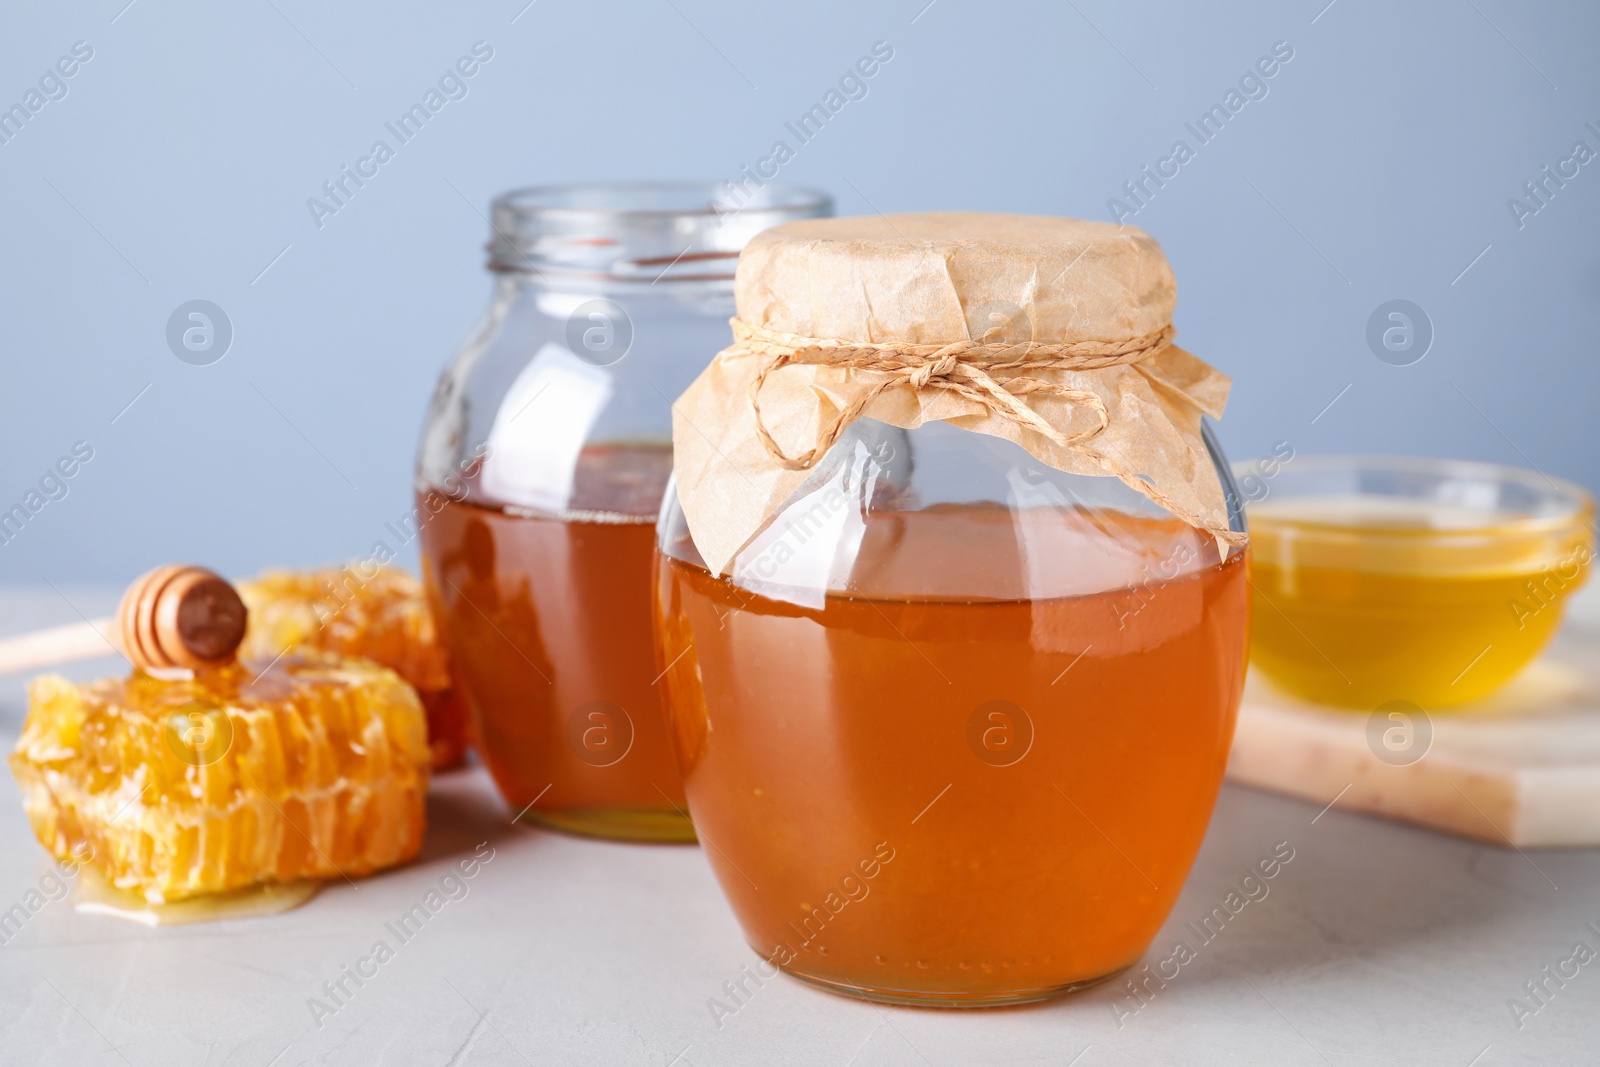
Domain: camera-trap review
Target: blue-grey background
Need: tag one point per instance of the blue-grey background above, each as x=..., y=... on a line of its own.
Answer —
x=180, y=160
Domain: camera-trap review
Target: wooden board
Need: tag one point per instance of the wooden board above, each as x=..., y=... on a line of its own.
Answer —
x=1519, y=769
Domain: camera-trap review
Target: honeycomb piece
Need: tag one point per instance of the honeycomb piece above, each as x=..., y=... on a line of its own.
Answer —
x=379, y=613
x=314, y=768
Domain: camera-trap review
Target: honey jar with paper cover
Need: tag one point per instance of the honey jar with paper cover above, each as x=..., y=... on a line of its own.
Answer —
x=951, y=604
x=539, y=478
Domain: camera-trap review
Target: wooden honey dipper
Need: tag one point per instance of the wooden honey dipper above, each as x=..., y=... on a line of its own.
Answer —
x=180, y=616
x=174, y=616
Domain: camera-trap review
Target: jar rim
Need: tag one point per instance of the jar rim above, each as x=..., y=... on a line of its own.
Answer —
x=1555, y=504
x=640, y=230
x=630, y=197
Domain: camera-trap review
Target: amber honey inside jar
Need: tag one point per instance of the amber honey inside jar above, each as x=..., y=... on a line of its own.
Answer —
x=551, y=619
x=952, y=718
x=540, y=477
x=1025, y=745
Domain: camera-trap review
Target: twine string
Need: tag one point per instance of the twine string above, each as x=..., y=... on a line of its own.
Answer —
x=993, y=374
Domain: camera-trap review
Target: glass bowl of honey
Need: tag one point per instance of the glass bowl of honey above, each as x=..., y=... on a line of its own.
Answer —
x=1379, y=578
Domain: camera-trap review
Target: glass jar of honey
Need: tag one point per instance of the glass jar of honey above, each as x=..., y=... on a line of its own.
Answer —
x=540, y=474
x=952, y=605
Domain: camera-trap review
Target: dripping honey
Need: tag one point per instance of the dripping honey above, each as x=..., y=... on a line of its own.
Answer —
x=982, y=778
x=547, y=618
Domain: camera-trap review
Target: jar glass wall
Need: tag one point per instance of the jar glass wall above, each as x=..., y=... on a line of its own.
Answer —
x=540, y=474
x=956, y=720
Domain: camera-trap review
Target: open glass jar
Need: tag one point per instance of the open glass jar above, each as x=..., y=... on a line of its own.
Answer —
x=953, y=718
x=540, y=474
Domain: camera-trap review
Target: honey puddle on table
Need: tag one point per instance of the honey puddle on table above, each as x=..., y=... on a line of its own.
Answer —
x=93, y=895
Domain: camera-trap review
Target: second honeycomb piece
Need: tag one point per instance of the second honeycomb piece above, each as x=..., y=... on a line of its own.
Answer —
x=379, y=613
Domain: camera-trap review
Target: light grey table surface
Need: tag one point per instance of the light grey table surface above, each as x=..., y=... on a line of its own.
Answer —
x=1376, y=944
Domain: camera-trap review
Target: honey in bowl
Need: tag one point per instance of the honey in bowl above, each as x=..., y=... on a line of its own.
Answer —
x=1435, y=582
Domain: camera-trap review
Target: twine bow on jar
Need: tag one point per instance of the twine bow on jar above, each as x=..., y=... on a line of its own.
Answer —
x=993, y=374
